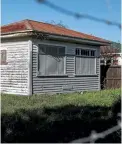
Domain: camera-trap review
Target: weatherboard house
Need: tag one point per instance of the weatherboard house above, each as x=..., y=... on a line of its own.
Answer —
x=39, y=58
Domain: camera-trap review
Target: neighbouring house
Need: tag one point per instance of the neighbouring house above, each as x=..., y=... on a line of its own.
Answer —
x=110, y=55
x=39, y=58
x=111, y=61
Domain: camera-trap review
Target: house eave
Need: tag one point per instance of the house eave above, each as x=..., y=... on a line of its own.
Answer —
x=15, y=34
x=77, y=40
x=50, y=36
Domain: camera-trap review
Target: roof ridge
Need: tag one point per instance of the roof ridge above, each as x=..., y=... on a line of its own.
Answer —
x=28, y=24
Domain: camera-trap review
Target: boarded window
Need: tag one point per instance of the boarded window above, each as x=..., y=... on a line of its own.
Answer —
x=85, y=63
x=51, y=60
x=85, y=66
x=3, y=57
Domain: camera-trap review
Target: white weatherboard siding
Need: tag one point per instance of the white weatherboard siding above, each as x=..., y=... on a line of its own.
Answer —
x=15, y=75
x=62, y=84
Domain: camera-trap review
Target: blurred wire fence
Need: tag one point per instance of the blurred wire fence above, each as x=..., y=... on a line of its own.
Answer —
x=78, y=15
x=94, y=136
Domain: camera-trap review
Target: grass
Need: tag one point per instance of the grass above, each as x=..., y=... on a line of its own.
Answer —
x=10, y=103
x=58, y=118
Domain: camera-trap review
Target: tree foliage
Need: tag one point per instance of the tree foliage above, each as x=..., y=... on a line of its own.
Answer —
x=116, y=45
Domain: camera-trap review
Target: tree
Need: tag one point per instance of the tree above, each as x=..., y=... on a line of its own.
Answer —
x=108, y=53
x=116, y=45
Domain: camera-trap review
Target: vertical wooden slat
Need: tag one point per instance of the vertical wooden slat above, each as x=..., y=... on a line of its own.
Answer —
x=111, y=76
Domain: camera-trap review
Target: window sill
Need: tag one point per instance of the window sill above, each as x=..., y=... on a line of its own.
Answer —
x=64, y=75
x=87, y=75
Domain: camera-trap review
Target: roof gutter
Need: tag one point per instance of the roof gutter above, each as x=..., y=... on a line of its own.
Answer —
x=52, y=37
x=77, y=40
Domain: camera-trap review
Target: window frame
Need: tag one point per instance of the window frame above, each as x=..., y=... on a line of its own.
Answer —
x=51, y=75
x=88, y=49
x=83, y=56
x=2, y=63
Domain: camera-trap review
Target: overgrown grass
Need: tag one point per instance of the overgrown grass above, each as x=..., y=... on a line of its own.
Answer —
x=10, y=103
x=59, y=118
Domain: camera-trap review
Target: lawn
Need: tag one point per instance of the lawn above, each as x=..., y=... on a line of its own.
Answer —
x=59, y=118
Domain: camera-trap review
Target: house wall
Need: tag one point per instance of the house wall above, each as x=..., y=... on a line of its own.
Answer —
x=15, y=75
x=61, y=84
x=116, y=59
x=119, y=60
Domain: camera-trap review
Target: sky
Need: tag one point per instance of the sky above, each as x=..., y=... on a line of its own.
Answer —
x=17, y=10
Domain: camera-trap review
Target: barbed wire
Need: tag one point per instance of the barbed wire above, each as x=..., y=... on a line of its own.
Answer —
x=95, y=136
x=78, y=15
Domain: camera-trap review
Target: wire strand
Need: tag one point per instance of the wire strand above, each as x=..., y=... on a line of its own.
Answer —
x=78, y=15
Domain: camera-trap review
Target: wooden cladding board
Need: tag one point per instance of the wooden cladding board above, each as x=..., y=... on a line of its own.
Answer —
x=14, y=75
x=63, y=84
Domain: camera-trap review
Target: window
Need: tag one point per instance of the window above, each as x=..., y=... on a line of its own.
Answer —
x=85, y=66
x=51, y=60
x=85, y=62
x=82, y=52
x=3, y=57
x=77, y=52
x=92, y=53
